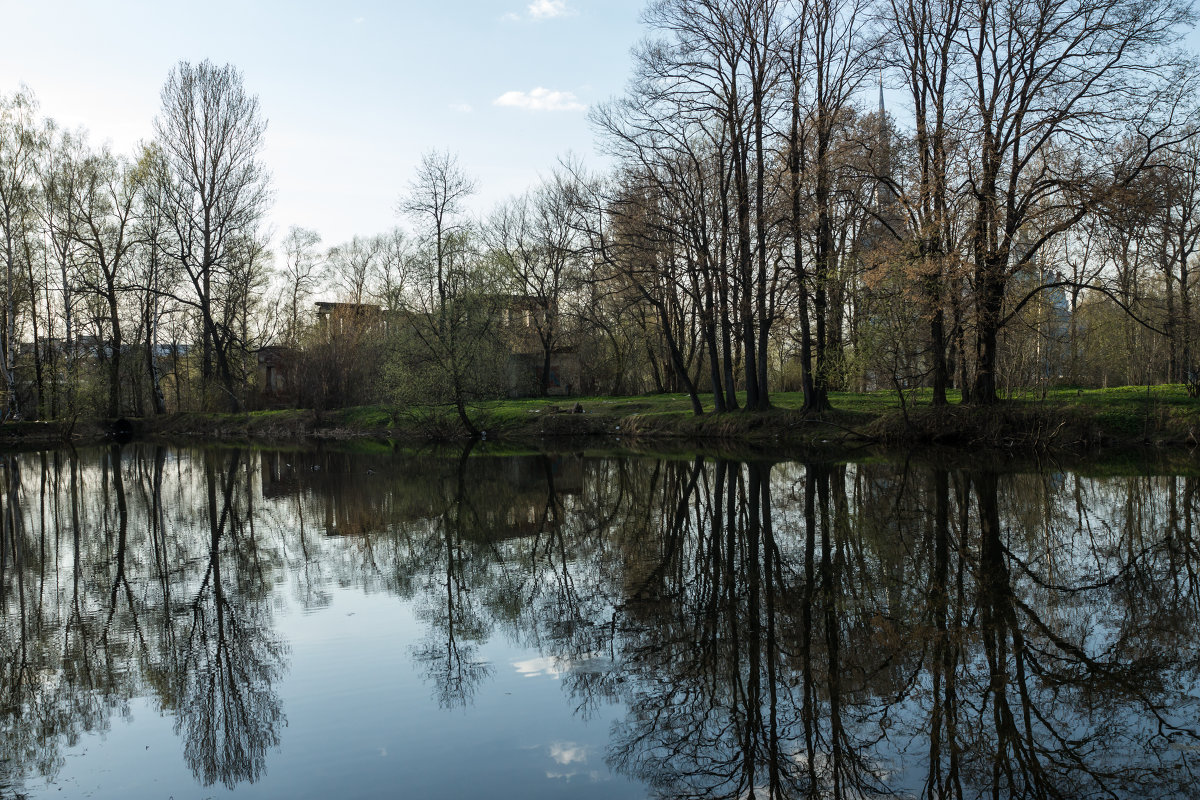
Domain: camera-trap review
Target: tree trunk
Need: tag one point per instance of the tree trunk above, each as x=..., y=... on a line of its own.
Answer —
x=461, y=407
x=745, y=264
x=991, y=296
x=10, y=335
x=758, y=69
x=38, y=382
x=156, y=392
x=724, y=284
x=677, y=361
x=937, y=346
x=114, y=366
x=714, y=354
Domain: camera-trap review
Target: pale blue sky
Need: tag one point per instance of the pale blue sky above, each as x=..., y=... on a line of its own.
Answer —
x=354, y=92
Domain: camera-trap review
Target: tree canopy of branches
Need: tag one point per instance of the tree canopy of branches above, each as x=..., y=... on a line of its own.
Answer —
x=215, y=192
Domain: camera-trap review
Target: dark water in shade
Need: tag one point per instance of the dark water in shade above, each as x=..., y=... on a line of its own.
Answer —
x=195, y=623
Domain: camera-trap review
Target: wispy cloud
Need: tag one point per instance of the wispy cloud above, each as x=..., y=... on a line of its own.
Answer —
x=568, y=753
x=359, y=20
x=549, y=9
x=542, y=666
x=462, y=108
x=540, y=99
x=539, y=10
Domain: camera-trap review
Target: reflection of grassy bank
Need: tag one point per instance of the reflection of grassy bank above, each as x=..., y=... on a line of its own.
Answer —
x=1064, y=419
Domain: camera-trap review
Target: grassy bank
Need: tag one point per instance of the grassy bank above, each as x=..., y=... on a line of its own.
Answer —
x=1062, y=419
x=1162, y=416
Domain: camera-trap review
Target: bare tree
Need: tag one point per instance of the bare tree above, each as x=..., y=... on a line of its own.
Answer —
x=393, y=268
x=105, y=205
x=1050, y=86
x=60, y=175
x=435, y=203
x=19, y=145
x=1180, y=242
x=720, y=74
x=352, y=267
x=922, y=50
x=535, y=236
x=302, y=264
x=155, y=274
x=452, y=299
x=215, y=192
x=834, y=58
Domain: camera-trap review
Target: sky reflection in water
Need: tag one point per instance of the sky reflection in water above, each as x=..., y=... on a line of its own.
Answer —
x=314, y=624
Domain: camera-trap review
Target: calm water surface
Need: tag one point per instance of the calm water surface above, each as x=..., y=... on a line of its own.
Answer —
x=198, y=623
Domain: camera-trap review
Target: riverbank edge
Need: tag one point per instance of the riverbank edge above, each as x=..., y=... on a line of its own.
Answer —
x=1012, y=426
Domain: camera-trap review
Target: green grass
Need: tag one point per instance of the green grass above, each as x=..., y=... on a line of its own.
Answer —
x=502, y=414
x=364, y=416
x=1126, y=414
x=1121, y=402
x=872, y=403
x=1126, y=410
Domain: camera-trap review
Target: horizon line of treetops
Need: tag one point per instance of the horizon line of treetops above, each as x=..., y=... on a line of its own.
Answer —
x=761, y=228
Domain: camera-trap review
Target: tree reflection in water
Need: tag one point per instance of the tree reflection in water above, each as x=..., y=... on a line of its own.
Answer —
x=456, y=623
x=116, y=599
x=893, y=610
x=761, y=629
x=228, y=713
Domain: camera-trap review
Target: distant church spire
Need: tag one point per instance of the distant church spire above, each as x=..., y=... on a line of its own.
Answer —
x=882, y=110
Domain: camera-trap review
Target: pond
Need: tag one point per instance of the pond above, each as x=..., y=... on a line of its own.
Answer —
x=196, y=623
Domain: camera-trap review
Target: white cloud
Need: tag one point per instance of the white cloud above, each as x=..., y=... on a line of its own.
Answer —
x=540, y=99
x=593, y=775
x=359, y=20
x=573, y=759
x=568, y=753
x=543, y=665
x=549, y=9
x=462, y=108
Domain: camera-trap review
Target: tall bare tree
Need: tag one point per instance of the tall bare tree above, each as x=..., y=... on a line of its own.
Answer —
x=1180, y=243
x=834, y=60
x=155, y=275
x=60, y=174
x=451, y=297
x=105, y=205
x=215, y=193
x=302, y=264
x=535, y=238
x=19, y=146
x=352, y=267
x=1050, y=86
x=922, y=50
x=393, y=268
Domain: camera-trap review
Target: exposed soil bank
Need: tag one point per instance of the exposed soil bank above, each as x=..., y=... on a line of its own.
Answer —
x=1014, y=427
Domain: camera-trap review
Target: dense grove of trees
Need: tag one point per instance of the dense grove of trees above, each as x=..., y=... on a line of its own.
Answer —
x=135, y=282
x=1027, y=218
